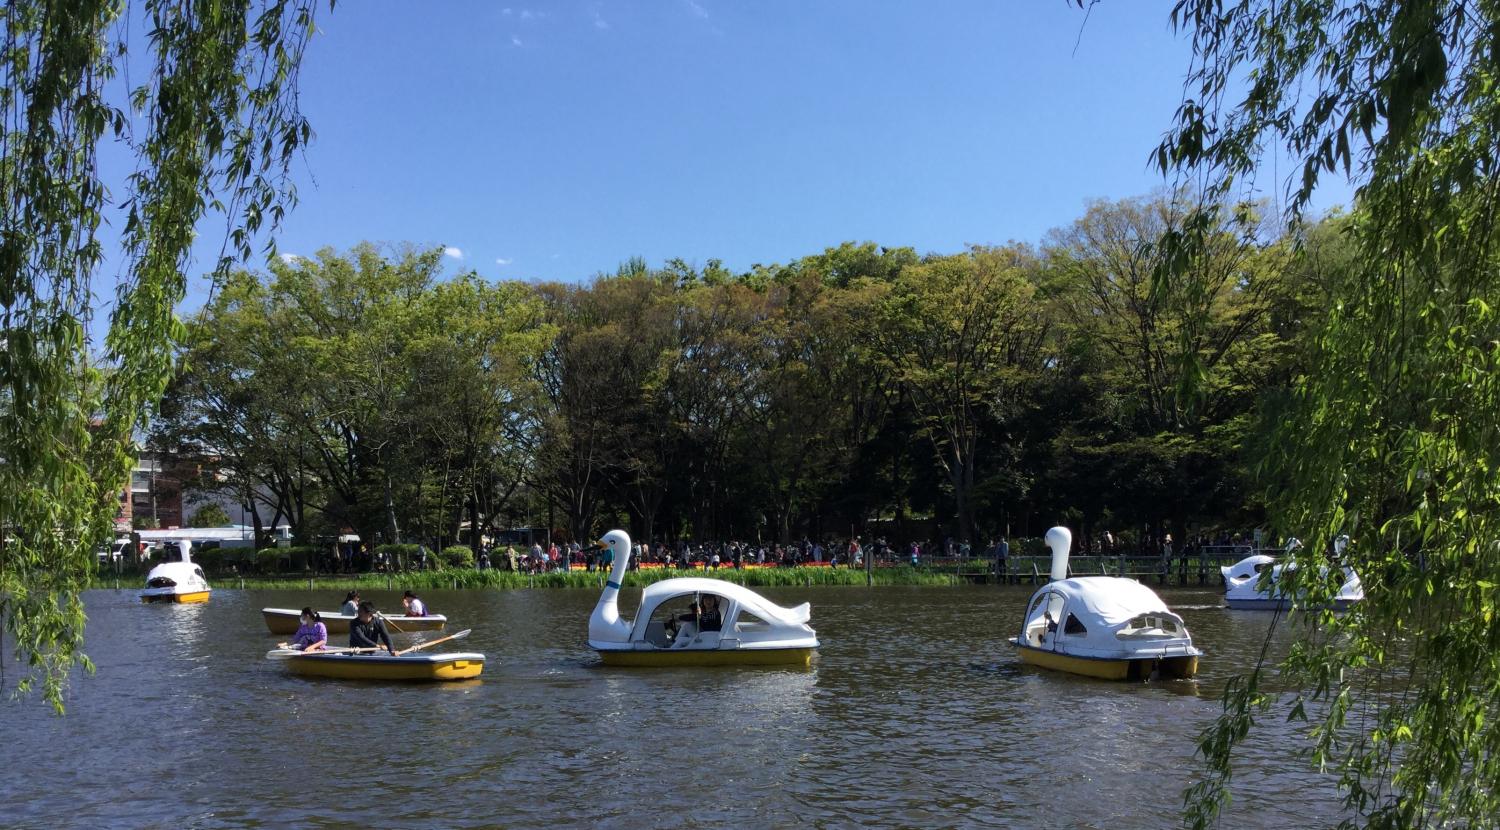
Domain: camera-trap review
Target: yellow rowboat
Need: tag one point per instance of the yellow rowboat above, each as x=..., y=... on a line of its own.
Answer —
x=341, y=666
x=1104, y=668
x=684, y=657
x=286, y=621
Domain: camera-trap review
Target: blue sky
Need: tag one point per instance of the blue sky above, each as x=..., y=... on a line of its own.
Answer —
x=555, y=140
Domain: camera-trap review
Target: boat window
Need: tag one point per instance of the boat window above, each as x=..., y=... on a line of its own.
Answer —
x=1073, y=626
x=666, y=619
x=1044, y=617
x=749, y=622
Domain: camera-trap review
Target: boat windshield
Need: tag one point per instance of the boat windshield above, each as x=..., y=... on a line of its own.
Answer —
x=1151, y=625
x=1043, y=619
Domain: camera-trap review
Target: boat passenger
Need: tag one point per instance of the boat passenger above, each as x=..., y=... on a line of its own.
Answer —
x=414, y=607
x=368, y=630
x=351, y=604
x=709, y=619
x=312, y=635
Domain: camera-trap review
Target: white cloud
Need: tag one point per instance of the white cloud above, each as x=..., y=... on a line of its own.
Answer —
x=516, y=41
x=599, y=21
x=528, y=14
x=506, y=11
x=456, y=253
x=289, y=258
x=697, y=10
x=502, y=261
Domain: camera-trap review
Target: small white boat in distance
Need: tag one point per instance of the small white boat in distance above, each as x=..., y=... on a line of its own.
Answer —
x=1102, y=626
x=179, y=581
x=1247, y=595
x=286, y=621
x=751, y=629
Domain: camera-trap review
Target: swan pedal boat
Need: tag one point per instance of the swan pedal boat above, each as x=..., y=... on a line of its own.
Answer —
x=1106, y=627
x=286, y=621
x=754, y=631
x=1247, y=596
x=180, y=581
x=345, y=666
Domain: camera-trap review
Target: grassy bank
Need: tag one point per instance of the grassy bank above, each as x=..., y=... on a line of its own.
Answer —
x=468, y=578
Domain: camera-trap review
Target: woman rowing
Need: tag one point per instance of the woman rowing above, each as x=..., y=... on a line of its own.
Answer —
x=312, y=635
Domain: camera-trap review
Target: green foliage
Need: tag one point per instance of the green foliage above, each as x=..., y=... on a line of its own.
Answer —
x=457, y=556
x=209, y=515
x=212, y=123
x=271, y=560
x=1391, y=432
x=755, y=578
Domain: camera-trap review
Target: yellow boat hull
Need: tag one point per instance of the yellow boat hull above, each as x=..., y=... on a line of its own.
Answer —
x=372, y=667
x=726, y=657
x=193, y=597
x=1108, y=669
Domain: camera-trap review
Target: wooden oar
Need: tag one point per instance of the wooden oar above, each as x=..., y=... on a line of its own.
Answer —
x=285, y=653
x=392, y=623
x=459, y=636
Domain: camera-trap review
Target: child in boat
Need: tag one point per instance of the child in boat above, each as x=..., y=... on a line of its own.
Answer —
x=414, y=606
x=368, y=631
x=312, y=635
x=351, y=604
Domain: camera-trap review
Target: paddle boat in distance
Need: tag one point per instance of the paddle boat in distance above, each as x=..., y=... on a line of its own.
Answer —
x=286, y=620
x=753, y=630
x=177, y=581
x=1249, y=595
x=1102, y=626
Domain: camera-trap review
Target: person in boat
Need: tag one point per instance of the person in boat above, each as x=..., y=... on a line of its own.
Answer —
x=709, y=618
x=312, y=635
x=351, y=604
x=368, y=630
x=414, y=606
x=684, y=627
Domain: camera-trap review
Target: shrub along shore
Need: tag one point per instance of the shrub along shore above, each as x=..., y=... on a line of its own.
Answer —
x=470, y=578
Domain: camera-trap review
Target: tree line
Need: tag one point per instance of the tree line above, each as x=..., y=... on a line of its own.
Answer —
x=992, y=391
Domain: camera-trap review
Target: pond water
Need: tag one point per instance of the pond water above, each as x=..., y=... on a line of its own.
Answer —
x=914, y=713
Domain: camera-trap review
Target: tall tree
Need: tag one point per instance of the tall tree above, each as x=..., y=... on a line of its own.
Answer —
x=215, y=122
x=961, y=334
x=1392, y=435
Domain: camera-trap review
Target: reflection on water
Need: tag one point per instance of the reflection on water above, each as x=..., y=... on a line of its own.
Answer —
x=914, y=713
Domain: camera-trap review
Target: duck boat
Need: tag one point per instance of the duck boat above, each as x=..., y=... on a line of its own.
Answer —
x=344, y=665
x=178, y=581
x=1102, y=626
x=751, y=629
x=286, y=621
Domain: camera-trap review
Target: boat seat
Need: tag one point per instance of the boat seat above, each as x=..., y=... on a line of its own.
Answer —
x=656, y=634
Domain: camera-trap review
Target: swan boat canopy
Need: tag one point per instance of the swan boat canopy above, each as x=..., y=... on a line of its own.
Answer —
x=286, y=621
x=1245, y=570
x=1102, y=626
x=668, y=629
x=177, y=581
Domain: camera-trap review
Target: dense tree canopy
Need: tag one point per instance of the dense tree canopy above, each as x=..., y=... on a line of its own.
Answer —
x=862, y=389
